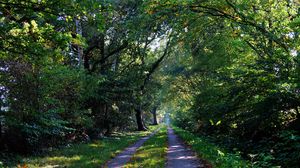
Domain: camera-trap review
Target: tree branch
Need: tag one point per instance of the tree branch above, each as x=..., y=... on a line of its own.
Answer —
x=155, y=65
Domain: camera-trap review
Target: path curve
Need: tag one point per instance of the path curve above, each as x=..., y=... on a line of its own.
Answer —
x=179, y=155
x=124, y=157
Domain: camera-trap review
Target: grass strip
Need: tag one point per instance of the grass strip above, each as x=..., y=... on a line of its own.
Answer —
x=87, y=155
x=152, y=153
x=210, y=152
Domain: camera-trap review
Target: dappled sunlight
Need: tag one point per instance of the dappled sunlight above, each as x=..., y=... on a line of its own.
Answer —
x=96, y=145
x=152, y=153
x=50, y=166
x=179, y=154
x=63, y=159
x=87, y=155
x=207, y=151
x=53, y=161
x=86, y=82
x=124, y=157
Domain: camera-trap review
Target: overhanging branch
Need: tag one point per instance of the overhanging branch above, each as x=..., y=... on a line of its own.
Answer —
x=155, y=65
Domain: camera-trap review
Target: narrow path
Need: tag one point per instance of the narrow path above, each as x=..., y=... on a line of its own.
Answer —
x=179, y=155
x=124, y=157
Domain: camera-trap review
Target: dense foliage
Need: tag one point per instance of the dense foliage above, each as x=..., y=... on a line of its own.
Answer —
x=239, y=77
x=71, y=70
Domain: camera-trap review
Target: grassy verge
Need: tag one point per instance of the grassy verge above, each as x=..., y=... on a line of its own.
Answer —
x=218, y=157
x=87, y=155
x=152, y=153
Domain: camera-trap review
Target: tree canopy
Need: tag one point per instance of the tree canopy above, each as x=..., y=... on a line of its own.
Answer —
x=80, y=69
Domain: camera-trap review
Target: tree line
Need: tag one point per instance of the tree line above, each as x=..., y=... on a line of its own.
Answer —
x=72, y=70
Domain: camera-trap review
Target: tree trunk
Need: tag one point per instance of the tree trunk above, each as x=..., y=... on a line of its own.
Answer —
x=79, y=48
x=139, y=120
x=106, y=121
x=154, y=116
x=107, y=132
x=0, y=128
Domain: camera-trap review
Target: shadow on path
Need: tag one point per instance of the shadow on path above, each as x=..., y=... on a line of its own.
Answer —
x=179, y=155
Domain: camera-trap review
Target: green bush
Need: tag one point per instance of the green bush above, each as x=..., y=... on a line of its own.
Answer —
x=215, y=155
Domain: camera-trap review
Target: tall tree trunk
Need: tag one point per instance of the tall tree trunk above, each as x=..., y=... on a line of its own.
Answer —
x=106, y=121
x=154, y=116
x=115, y=64
x=139, y=120
x=0, y=128
x=155, y=65
x=79, y=48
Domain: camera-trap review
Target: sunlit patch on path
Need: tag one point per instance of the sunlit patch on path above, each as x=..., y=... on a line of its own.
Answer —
x=179, y=155
x=124, y=157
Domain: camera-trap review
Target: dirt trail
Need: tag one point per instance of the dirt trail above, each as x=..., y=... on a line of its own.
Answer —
x=179, y=155
x=124, y=157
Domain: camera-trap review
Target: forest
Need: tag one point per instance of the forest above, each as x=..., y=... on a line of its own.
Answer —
x=76, y=71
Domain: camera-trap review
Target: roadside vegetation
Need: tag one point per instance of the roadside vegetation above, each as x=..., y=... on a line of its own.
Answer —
x=153, y=153
x=210, y=152
x=87, y=155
